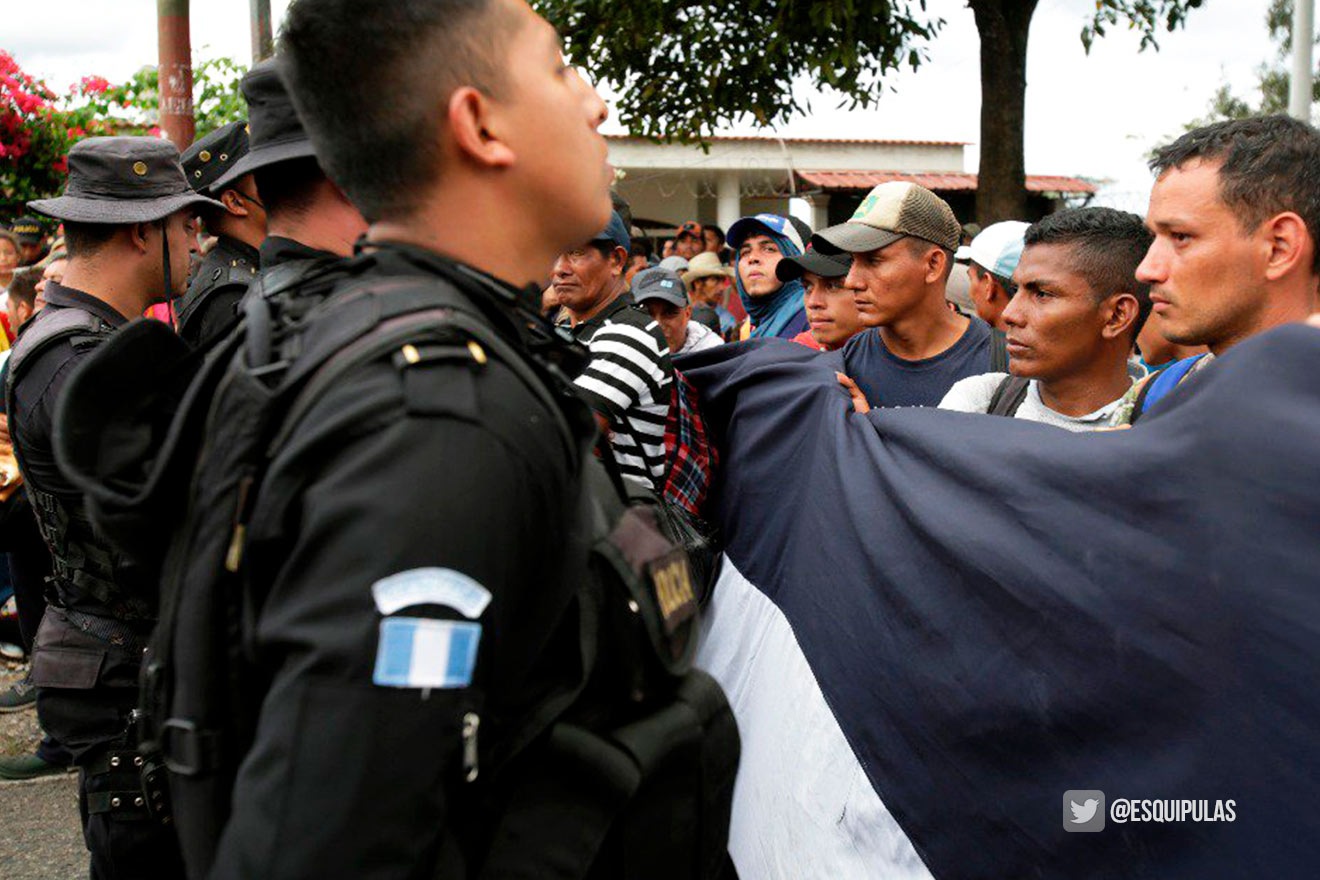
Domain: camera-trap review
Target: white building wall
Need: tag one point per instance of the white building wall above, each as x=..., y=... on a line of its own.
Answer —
x=671, y=183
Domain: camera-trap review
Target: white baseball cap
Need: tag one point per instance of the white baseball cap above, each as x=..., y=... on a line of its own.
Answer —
x=997, y=248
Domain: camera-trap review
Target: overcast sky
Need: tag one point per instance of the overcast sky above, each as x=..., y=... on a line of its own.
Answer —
x=1093, y=115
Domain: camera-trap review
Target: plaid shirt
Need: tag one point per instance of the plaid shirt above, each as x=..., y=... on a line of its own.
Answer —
x=691, y=459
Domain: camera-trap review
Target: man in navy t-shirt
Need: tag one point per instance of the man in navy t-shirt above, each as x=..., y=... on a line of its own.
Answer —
x=902, y=239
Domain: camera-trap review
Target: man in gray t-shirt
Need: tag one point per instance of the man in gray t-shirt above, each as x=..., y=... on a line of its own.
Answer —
x=1071, y=324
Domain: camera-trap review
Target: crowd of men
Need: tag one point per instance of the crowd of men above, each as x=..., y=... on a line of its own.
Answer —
x=431, y=470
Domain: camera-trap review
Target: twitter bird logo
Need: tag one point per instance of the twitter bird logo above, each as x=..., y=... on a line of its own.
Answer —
x=1084, y=810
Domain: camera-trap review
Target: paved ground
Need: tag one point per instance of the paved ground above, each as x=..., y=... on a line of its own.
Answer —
x=40, y=838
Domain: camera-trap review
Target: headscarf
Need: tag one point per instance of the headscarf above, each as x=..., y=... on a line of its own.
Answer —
x=774, y=313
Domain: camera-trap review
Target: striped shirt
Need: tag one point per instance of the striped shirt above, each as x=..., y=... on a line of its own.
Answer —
x=630, y=381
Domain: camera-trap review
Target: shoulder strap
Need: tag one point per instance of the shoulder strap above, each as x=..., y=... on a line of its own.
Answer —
x=448, y=309
x=1008, y=396
x=41, y=334
x=998, y=351
x=1158, y=386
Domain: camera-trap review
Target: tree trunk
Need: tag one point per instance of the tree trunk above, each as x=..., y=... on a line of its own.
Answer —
x=1001, y=188
x=175, y=72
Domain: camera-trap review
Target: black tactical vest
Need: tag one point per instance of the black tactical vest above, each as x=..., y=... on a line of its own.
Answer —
x=83, y=564
x=647, y=737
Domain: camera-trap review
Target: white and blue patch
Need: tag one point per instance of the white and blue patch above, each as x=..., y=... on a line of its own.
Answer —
x=418, y=652
x=431, y=586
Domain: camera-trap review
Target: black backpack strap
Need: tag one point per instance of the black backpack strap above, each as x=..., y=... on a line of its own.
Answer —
x=998, y=351
x=1008, y=397
x=451, y=313
x=40, y=334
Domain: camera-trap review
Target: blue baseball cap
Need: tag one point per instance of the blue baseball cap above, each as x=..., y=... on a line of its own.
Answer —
x=615, y=232
x=789, y=227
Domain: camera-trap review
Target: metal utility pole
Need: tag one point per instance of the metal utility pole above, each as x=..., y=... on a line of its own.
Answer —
x=175, y=72
x=1303, y=38
x=263, y=46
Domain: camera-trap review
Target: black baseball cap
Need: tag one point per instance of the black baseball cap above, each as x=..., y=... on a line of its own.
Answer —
x=813, y=261
x=28, y=229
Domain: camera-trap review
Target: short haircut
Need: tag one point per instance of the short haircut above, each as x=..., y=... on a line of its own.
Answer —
x=918, y=247
x=640, y=247
x=719, y=233
x=1005, y=284
x=1267, y=165
x=288, y=188
x=371, y=82
x=24, y=287
x=1107, y=245
x=85, y=239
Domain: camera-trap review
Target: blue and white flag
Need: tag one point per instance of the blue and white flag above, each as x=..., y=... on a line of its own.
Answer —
x=936, y=628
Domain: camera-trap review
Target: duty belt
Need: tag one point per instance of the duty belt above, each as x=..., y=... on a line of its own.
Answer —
x=107, y=629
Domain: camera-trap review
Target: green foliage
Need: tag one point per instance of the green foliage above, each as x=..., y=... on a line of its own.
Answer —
x=683, y=69
x=1146, y=17
x=37, y=126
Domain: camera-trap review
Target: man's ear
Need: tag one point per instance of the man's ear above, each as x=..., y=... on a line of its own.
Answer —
x=139, y=234
x=1121, y=312
x=234, y=203
x=1289, y=243
x=475, y=131
x=937, y=260
x=618, y=261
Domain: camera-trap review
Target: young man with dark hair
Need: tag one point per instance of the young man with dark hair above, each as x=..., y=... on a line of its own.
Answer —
x=774, y=308
x=239, y=226
x=991, y=258
x=1235, y=211
x=128, y=216
x=1071, y=323
x=831, y=312
x=902, y=240
x=629, y=379
x=309, y=219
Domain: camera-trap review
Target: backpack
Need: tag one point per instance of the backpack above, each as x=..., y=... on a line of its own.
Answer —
x=998, y=351
x=611, y=758
x=1008, y=396
x=1158, y=386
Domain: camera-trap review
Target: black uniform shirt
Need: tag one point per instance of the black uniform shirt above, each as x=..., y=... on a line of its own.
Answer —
x=277, y=249
x=449, y=470
x=223, y=275
x=38, y=390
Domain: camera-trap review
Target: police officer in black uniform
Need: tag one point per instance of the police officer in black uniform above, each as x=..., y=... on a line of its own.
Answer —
x=449, y=647
x=309, y=219
x=223, y=275
x=128, y=218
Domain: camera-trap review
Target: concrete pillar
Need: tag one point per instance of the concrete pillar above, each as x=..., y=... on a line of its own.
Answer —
x=1299, y=93
x=728, y=195
x=820, y=211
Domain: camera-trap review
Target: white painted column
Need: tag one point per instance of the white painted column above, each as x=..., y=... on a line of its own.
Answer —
x=820, y=211
x=728, y=195
x=1299, y=94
